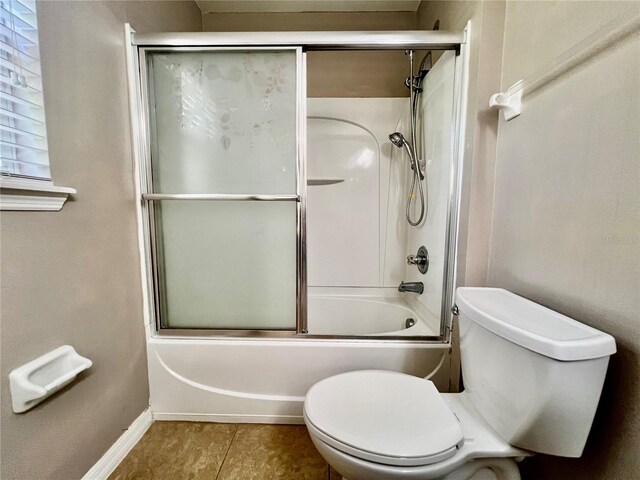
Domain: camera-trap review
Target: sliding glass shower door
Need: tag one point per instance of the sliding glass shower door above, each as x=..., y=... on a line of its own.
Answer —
x=225, y=187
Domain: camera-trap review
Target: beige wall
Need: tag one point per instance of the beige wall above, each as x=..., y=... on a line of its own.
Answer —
x=72, y=277
x=553, y=200
x=276, y=22
x=487, y=23
x=566, y=216
x=334, y=74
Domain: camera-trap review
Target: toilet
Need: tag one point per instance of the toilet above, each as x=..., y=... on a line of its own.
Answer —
x=532, y=382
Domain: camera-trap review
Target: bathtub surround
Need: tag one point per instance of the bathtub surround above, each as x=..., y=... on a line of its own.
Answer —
x=355, y=229
x=436, y=113
x=343, y=243
x=71, y=277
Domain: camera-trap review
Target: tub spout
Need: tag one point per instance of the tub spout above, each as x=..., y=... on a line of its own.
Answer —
x=415, y=287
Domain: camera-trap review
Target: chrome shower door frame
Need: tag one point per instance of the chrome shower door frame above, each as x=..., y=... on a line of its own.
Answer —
x=149, y=197
x=140, y=44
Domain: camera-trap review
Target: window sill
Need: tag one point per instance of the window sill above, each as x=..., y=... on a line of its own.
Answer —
x=20, y=194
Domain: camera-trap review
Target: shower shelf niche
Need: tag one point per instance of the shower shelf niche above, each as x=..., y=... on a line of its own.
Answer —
x=37, y=380
x=315, y=182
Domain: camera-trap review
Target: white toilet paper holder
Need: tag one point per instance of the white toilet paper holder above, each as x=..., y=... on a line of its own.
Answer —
x=31, y=383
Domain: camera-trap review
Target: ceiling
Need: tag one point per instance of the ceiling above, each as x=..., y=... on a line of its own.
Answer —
x=227, y=6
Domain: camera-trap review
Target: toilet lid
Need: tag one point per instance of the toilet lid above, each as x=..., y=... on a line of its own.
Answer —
x=385, y=417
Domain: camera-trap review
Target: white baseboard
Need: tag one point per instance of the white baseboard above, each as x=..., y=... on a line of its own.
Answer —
x=112, y=458
x=218, y=418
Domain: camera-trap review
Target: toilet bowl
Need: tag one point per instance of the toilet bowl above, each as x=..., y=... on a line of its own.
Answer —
x=373, y=424
x=533, y=379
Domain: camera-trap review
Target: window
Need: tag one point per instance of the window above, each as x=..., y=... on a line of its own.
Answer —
x=23, y=141
x=25, y=177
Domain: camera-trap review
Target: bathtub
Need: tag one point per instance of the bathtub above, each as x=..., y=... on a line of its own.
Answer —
x=265, y=380
x=368, y=315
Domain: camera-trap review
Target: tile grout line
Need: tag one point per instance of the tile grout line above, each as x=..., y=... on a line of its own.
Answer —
x=227, y=452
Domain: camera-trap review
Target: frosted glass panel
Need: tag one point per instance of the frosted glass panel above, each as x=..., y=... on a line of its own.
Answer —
x=223, y=122
x=227, y=264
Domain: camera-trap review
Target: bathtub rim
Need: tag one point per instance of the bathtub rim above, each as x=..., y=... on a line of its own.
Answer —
x=291, y=336
x=307, y=342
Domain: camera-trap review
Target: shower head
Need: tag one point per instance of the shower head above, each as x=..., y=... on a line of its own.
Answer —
x=397, y=139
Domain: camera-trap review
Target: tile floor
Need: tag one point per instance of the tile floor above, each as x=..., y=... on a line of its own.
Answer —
x=221, y=451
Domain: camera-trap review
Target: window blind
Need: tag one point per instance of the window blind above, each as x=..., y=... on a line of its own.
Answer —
x=23, y=137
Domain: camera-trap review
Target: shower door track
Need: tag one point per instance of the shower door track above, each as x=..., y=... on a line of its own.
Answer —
x=139, y=44
x=378, y=40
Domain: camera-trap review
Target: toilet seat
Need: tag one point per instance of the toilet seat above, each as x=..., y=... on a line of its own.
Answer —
x=384, y=417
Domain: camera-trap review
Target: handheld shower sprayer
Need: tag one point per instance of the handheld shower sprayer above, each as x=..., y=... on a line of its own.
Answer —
x=399, y=141
x=414, y=82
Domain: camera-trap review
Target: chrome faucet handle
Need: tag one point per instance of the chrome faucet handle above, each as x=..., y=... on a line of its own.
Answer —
x=415, y=259
x=420, y=259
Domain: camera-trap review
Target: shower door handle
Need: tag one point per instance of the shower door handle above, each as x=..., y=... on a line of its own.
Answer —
x=221, y=197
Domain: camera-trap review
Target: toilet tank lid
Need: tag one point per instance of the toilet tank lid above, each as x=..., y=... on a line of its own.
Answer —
x=533, y=326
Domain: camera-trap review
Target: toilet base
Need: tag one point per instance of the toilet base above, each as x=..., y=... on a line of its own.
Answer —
x=353, y=468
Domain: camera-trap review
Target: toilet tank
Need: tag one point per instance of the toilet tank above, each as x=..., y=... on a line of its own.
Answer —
x=533, y=374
